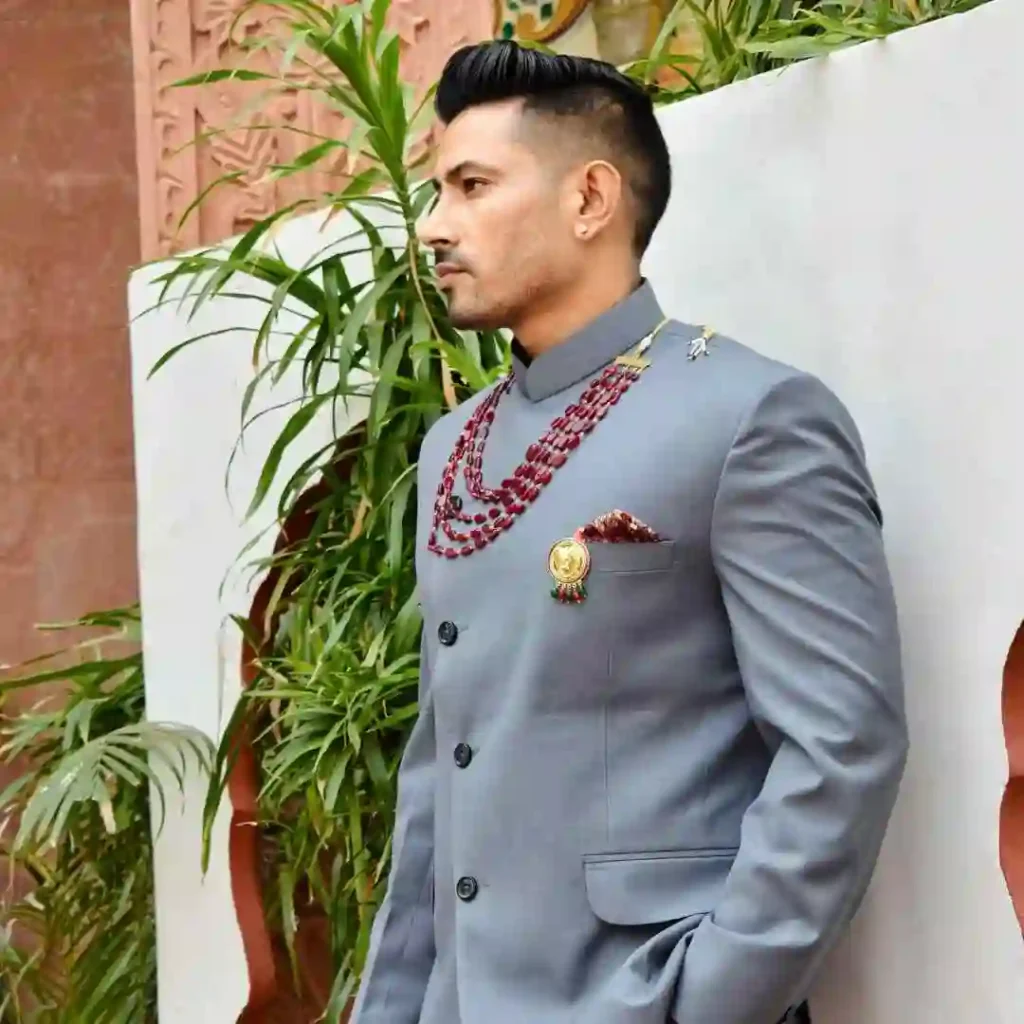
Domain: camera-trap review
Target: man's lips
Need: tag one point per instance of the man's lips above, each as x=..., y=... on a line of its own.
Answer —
x=443, y=270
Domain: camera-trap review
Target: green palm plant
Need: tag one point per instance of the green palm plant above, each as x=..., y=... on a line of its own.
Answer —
x=738, y=39
x=79, y=946
x=819, y=28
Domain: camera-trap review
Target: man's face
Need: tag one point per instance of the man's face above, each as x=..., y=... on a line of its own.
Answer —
x=502, y=228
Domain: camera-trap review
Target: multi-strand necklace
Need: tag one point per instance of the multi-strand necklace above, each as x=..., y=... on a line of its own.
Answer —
x=454, y=531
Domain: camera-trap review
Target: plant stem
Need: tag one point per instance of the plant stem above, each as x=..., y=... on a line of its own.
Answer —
x=447, y=383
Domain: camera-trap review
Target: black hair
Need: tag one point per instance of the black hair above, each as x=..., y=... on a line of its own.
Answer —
x=608, y=106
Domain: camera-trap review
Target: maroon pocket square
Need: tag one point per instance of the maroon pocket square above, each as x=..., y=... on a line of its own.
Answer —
x=618, y=527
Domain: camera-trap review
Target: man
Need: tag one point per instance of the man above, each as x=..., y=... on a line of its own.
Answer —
x=661, y=723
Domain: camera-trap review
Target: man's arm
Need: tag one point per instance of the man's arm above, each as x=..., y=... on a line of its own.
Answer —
x=401, y=953
x=797, y=545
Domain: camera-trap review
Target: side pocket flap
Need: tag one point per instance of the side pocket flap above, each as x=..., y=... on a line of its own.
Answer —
x=650, y=888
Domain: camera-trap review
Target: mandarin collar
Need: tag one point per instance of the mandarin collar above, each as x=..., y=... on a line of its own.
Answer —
x=588, y=349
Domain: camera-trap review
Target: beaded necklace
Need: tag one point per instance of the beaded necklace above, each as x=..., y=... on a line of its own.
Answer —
x=455, y=532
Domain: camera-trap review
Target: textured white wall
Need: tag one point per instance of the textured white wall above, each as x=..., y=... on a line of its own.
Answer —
x=860, y=217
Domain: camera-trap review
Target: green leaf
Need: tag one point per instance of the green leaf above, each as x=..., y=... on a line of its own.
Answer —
x=13, y=789
x=799, y=47
x=306, y=159
x=374, y=759
x=398, y=532
x=363, y=309
x=224, y=75
x=228, y=178
x=668, y=30
x=335, y=279
x=296, y=424
x=377, y=11
x=174, y=350
x=290, y=925
x=381, y=400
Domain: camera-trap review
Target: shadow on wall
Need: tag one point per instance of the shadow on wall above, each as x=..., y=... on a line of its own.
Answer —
x=1011, y=818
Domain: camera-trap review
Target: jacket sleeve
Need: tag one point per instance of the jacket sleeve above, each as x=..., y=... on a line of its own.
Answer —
x=401, y=953
x=797, y=546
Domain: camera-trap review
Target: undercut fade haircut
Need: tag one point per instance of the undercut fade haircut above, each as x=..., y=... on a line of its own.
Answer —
x=608, y=109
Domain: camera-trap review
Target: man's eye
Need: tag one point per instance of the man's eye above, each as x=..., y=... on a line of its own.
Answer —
x=473, y=184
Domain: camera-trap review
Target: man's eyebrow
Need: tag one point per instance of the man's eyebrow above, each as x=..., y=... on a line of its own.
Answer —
x=461, y=169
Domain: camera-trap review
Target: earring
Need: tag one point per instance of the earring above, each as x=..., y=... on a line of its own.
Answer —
x=581, y=231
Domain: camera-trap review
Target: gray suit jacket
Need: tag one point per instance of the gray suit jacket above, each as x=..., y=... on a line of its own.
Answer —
x=664, y=803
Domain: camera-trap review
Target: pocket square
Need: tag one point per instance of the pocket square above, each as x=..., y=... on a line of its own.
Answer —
x=618, y=527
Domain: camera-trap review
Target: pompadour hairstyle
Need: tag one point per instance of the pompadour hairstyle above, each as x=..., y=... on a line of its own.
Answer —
x=606, y=106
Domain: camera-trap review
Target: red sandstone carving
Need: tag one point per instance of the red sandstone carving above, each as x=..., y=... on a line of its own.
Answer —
x=162, y=45
x=1011, y=819
x=174, y=39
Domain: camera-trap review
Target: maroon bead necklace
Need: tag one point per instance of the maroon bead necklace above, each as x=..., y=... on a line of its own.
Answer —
x=455, y=533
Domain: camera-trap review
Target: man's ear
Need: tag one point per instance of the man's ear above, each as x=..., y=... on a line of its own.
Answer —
x=598, y=196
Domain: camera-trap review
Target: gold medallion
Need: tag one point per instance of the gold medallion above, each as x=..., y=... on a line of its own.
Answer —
x=569, y=564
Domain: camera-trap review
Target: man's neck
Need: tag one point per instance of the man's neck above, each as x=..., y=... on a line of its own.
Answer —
x=546, y=326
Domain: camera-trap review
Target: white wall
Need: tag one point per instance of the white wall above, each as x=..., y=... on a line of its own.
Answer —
x=862, y=217
x=194, y=575
x=859, y=217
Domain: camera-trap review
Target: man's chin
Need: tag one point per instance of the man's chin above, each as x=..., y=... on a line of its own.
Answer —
x=463, y=321
x=472, y=319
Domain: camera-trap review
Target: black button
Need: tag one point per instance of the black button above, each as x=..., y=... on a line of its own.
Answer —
x=463, y=754
x=448, y=633
x=466, y=888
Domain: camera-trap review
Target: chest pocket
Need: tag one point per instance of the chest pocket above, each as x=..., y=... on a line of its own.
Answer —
x=632, y=590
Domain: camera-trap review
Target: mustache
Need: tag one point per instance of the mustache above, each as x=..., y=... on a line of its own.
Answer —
x=451, y=258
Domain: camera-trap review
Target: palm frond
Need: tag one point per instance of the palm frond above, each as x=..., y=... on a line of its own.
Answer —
x=80, y=945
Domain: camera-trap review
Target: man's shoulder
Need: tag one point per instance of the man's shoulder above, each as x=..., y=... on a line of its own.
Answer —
x=732, y=378
x=738, y=371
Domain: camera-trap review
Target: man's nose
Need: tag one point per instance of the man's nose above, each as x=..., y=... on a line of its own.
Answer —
x=432, y=230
